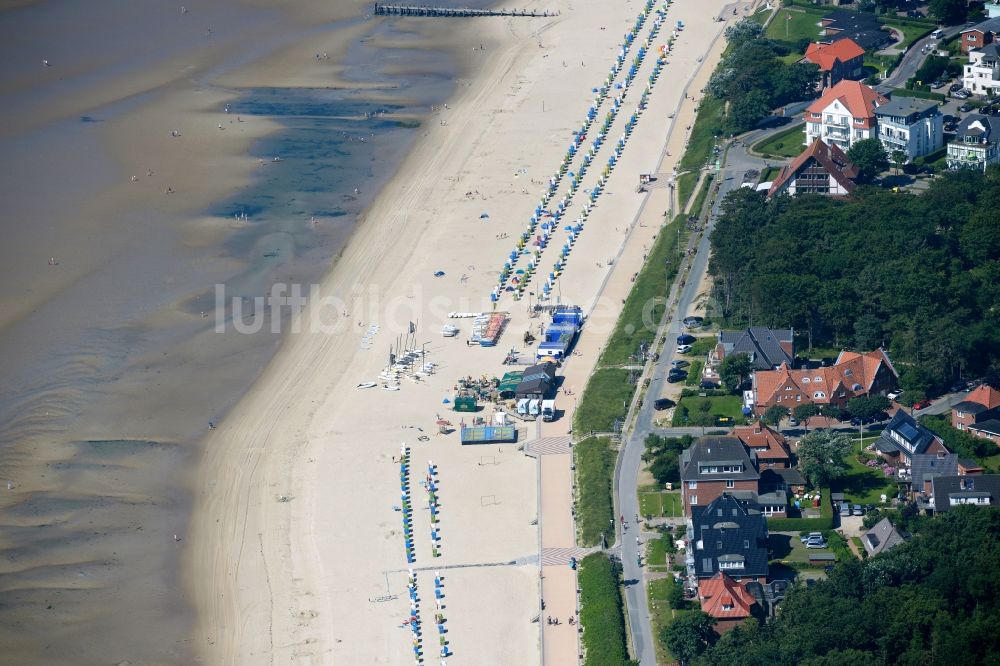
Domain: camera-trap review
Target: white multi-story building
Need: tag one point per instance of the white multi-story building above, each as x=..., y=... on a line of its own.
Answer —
x=975, y=144
x=982, y=72
x=844, y=115
x=913, y=126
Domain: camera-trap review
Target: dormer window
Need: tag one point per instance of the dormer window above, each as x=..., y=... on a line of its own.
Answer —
x=817, y=378
x=848, y=372
x=819, y=394
x=805, y=380
x=727, y=607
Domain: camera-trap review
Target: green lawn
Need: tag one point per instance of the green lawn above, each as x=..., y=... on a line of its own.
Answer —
x=722, y=405
x=699, y=201
x=707, y=126
x=638, y=322
x=789, y=548
x=791, y=30
x=702, y=346
x=911, y=33
x=605, y=399
x=864, y=485
x=595, y=463
x=659, y=503
x=661, y=615
x=685, y=185
x=787, y=143
x=657, y=550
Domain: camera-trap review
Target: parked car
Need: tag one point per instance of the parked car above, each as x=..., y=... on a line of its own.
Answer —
x=922, y=404
x=685, y=339
x=894, y=395
x=816, y=544
x=679, y=363
x=683, y=349
x=955, y=87
x=805, y=537
x=856, y=422
x=692, y=322
x=674, y=377
x=708, y=384
x=939, y=84
x=792, y=421
x=869, y=508
x=858, y=511
x=845, y=509
x=961, y=94
x=965, y=108
x=950, y=127
x=663, y=403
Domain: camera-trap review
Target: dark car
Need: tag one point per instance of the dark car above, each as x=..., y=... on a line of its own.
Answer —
x=955, y=87
x=685, y=339
x=950, y=127
x=663, y=403
x=965, y=108
x=691, y=322
x=856, y=422
x=706, y=384
x=676, y=375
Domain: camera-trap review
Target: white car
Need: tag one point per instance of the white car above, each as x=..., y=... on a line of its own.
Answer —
x=894, y=395
x=683, y=349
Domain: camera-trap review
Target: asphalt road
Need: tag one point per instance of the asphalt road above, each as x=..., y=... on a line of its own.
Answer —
x=626, y=481
x=912, y=61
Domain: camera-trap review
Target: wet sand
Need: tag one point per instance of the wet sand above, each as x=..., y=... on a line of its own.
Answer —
x=111, y=367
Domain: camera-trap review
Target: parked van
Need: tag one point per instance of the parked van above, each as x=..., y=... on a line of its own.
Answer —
x=522, y=406
x=534, y=407
x=548, y=410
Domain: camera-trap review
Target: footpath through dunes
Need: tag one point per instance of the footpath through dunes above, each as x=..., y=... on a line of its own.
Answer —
x=543, y=246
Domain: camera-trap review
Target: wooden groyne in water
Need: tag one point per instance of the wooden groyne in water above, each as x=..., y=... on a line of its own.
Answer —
x=449, y=12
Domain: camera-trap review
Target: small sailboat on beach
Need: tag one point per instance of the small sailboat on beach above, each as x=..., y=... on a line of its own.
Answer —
x=367, y=385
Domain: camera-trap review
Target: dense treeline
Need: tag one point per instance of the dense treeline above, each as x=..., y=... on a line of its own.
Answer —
x=919, y=274
x=932, y=600
x=753, y=79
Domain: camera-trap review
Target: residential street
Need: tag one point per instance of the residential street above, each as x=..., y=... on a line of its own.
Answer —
x=626, y=479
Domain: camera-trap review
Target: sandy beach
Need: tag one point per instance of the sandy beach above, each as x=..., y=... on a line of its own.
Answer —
x=177, y=494
x=296, y=552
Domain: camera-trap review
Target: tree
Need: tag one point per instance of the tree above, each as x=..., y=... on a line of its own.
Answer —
x=734, y=370
x=675, y=595
x=821, y=457
x=949, y=12
x=744, y=30
x=898, y=160
x=866, y=407
x=870, y=158
x=803, y=413
x=774, y=414
x=689, y=635
x=747, y=110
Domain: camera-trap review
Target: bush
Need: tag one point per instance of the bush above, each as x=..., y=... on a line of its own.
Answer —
x=675, y=596
x=595, y=464
x=601, y=613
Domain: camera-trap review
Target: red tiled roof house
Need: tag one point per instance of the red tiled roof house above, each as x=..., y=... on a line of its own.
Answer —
x=979, y=413
x=769, y=445
x=727, y=601
x=842, y=59
x=844, y=115
x=852, y=375
x=819, y=169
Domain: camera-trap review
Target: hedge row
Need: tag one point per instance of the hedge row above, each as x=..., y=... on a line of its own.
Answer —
x=601, y=612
